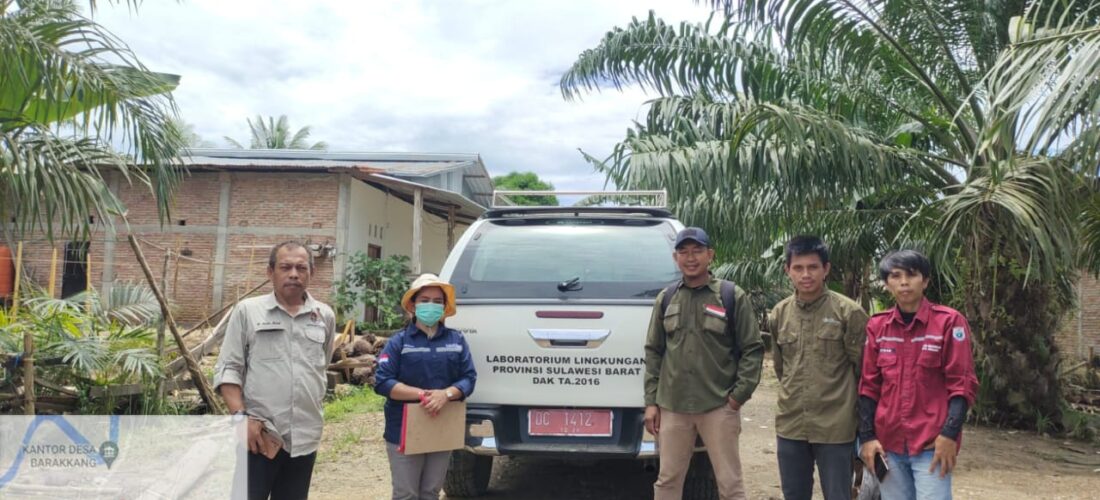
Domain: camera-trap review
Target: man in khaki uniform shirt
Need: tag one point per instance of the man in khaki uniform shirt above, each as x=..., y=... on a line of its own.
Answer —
x=271, y=370
x=819, y=337
x=699, y=372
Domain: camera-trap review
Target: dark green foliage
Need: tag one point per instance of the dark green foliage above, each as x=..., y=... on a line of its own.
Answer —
x=525, y=181
x=377, y=283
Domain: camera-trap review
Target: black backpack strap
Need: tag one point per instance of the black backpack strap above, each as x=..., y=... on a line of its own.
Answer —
x=667, y=297
x=728, y=294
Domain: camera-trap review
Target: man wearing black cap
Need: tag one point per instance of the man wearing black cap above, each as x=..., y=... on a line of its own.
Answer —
x=703, y=360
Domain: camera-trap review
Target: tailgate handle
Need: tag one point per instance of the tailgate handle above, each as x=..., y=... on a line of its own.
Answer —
x=563, y=337
x=568, y=343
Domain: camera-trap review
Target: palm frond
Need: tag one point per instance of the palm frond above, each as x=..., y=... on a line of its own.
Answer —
x=70, y=92
x=139, y=363
x=86, y=355
x=1025, y=208
x=1045, y=83
x=126, y=303
x=55, y=183
x=1090, y=230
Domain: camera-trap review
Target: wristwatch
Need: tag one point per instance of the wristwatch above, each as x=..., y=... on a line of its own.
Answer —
x=450, y=394
x=238, y=416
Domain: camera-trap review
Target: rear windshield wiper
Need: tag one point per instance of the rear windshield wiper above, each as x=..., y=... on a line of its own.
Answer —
x=572, y=285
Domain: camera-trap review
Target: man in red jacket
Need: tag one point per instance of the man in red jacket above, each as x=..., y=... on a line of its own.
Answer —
x=916, y=386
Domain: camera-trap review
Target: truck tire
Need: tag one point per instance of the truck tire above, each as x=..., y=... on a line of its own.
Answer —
x=699, y=483
x=468, y=475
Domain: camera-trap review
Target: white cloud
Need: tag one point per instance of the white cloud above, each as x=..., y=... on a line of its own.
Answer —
x=426, y=76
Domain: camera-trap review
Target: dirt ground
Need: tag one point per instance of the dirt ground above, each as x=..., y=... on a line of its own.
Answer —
x=994, y=464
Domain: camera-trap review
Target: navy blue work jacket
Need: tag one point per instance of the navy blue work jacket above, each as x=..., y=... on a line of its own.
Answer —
x=413, y=359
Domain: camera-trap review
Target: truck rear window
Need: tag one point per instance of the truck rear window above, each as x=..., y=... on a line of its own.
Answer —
x=529, y=258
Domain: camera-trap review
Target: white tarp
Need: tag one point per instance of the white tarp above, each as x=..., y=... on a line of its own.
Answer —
x=121, y=457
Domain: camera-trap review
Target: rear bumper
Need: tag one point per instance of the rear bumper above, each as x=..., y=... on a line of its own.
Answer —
x=502, y=430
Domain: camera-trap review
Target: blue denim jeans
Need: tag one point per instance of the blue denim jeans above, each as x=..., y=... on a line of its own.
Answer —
x=909, y=478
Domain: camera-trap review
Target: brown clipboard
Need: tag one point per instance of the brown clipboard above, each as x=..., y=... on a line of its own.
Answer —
x=423, y=433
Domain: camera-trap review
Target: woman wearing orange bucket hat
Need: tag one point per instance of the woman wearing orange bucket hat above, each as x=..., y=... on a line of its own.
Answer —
x=425, y=362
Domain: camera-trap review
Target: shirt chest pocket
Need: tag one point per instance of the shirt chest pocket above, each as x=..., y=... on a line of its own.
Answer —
x=415, y=361
x=887, y=363
x=673, y=320
x=453, y=355
x=314, y=344
x=787, y=343
x=930, y=359
x=830, y=341
x=268, y=343
x=715, y=327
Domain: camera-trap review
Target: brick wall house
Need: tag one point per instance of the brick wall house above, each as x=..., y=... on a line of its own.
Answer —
x=236, y=204
x=1082, y=329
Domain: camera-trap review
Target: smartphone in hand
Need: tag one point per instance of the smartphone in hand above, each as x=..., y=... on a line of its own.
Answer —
x=880, y=467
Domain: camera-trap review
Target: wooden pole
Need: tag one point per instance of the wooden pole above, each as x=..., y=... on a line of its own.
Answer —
x=210, y=282
x=28, y=372
x=1092, y=355
x=450, y=227
x=197, y=377
x=160, y=327
x=53, y=273
x=347, y=335
x=418, y=223
x=88, y=282
x=18, y=279
x=248, y=273
x=171, y=292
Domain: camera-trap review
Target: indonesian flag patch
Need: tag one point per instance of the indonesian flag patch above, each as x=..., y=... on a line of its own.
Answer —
x=716, y=311
x=385, y=358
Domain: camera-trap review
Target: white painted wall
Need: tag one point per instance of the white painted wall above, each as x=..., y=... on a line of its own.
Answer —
x=377, y=218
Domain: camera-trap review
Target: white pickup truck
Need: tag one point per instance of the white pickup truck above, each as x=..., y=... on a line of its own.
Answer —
x=555, y=303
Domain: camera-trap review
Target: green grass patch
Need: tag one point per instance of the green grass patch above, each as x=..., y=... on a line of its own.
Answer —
x=1081, y=425
x=361, y=400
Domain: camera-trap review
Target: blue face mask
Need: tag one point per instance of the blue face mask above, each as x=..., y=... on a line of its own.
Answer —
x=429, y=313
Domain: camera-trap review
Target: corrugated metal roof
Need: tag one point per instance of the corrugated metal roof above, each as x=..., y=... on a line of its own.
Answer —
x=417, y=169
x=411, y=166
x=440, y=198
x=399, y=169
x=353, y=156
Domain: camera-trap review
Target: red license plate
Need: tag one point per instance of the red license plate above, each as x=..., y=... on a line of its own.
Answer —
x=547, y=422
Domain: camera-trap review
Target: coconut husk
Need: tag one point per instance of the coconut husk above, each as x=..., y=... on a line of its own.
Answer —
x=361, y=347
x=362, y=376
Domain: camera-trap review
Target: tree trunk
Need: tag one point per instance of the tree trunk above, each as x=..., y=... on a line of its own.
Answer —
x=1013, y=329
x=199, y=379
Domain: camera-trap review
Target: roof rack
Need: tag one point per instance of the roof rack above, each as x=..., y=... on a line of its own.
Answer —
x=527, y=211
x=590, y=199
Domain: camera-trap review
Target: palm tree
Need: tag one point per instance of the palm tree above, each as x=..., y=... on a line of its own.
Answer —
x=74, y=103
x=276, y=134
x=966, y=128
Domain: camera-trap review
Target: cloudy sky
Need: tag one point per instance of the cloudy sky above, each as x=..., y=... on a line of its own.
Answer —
x=470, y=76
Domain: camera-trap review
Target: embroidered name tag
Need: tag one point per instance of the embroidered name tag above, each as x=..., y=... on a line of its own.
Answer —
x=930, y=348
x=831, y=321
x=886, y=350
x=268, y=325
x=716, y=311
x=449, y=348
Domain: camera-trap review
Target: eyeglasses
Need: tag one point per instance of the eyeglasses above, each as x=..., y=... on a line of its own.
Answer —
x=692, y=252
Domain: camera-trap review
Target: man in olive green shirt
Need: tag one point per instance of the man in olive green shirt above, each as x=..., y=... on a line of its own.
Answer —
x=699, y=372
x=819, y=337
